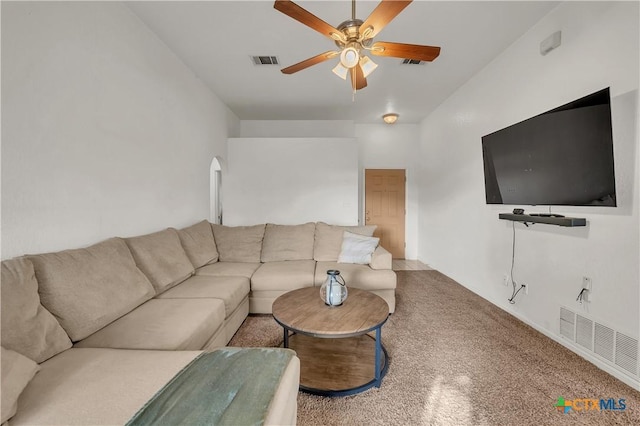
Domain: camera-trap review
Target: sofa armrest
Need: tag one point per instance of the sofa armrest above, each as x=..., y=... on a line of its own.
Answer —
x=381, y=259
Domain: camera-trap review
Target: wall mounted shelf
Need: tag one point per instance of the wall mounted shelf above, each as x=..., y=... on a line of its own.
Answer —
x=549, y=220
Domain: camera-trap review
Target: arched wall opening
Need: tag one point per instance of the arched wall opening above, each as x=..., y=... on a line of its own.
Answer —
x=215, y=191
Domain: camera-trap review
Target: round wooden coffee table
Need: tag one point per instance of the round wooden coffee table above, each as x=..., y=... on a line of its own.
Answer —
x=337, y=356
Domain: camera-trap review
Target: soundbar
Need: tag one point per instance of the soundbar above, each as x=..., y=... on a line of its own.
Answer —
x=549, y=220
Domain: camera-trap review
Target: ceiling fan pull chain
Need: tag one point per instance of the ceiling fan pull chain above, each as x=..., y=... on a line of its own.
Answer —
x=353, y=84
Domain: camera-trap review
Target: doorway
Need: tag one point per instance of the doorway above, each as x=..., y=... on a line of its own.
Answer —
x=385, y=195
x=215, y=191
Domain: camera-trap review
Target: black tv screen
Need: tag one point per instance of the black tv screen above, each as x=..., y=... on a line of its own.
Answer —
x=560, y=157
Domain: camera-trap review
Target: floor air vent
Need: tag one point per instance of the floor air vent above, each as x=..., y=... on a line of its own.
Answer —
x=616, y=348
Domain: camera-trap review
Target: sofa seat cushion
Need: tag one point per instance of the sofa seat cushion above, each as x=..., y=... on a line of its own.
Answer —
x=328, y=239
x=161, y=257
x=238, y=243
x=286, y=275
x=17, y=372
x=163, y=324
x=358, y=276
x=229, y=269
x=86, y=289
x=96, y=386
x=288, y=242
x=231, y=290
x=197, y=241
x=27, y=327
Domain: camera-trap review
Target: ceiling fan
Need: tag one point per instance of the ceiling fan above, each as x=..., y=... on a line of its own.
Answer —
x=354, y=38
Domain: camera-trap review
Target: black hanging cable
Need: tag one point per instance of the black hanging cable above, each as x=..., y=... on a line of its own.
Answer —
x=581, y=296
x=513, y=260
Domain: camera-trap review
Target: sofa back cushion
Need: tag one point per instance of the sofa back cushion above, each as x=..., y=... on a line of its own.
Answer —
x=288, y=242
x=239, y=243
x=328, y=239
x=27, y=327
x=161, y=257
x=197, y=241
x=89, y=288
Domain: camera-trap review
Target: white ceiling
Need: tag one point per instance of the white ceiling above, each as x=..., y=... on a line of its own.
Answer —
x=216, y=39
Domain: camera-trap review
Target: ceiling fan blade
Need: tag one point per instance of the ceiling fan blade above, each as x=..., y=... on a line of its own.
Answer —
x=309, y=62
x=382, y=15
x=357, y=81
x=307, y=18
x=405, y=51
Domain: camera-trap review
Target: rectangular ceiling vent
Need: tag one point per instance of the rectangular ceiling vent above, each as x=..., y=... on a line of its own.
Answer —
x=264, y=60
x=413, y=62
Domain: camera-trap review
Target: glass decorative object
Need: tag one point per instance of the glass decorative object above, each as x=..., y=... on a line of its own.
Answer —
x=334, y=289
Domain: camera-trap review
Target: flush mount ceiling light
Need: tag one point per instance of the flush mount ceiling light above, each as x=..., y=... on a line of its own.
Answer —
x=390, y=118
x=353, y=37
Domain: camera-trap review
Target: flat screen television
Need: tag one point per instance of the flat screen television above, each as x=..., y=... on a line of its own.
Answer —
x=560, y=157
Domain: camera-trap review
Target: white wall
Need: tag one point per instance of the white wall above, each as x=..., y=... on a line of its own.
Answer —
x=379, y=146
x=291, y=181
x=296, y=128
x=104, y=131
x=462, y=237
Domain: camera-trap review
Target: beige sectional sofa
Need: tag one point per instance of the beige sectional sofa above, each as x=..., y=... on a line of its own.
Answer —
x=107, y=326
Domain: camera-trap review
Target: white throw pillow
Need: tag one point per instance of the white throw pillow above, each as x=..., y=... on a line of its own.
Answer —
x=357, y=248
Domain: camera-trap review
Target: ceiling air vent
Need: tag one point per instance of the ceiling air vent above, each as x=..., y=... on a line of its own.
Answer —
x=264, y=60
x=412, y=62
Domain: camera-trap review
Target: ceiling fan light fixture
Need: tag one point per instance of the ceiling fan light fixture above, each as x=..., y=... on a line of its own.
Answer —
x=349, y=57
x=390, y=118
x=341, y=71
x=367, y=66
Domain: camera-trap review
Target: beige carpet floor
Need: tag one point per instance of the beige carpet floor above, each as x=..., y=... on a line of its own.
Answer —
x=456, y=359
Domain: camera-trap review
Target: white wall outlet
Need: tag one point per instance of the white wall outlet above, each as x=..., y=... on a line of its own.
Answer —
x=588, y=284
x=550, y=43
x=505, y=280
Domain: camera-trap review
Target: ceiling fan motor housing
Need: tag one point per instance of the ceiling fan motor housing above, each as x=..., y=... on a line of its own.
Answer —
x=351, y=31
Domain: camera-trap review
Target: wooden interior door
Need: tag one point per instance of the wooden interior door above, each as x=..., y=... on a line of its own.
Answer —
x=385, y=207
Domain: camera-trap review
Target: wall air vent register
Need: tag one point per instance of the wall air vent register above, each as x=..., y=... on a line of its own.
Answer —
x=616, y=348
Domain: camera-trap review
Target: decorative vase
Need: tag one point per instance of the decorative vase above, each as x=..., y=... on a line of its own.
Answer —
x=334, y=290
